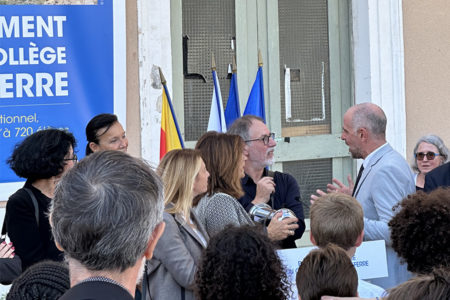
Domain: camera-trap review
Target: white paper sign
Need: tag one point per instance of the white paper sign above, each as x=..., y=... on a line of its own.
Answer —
x=369, y=261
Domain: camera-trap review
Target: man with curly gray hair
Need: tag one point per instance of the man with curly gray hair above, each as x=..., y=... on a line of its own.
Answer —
x=106, y=216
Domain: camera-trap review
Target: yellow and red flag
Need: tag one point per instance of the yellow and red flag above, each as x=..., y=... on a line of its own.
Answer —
x=170, y=133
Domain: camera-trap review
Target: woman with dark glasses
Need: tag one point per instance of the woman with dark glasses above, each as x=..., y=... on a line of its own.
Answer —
x=430, y=152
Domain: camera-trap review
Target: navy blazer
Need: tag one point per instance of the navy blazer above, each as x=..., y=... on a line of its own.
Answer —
x=287, y=195
x=437, y=177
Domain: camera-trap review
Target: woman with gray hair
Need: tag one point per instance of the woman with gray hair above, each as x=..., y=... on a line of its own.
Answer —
x=430, y=152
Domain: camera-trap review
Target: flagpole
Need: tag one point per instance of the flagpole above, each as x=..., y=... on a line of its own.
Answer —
x=260, y=61
x=260, y=64
x=213, y=69
x=163, y=82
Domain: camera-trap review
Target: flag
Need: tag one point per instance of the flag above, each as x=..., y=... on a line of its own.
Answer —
x=255, y=102
x=216, y=115
x=170, y=133
x=232, y=111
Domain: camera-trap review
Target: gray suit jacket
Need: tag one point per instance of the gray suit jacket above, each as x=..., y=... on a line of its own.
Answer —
x=171, y=270
x=386, y=180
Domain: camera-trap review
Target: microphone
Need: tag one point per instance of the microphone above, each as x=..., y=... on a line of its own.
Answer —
x=262, y=212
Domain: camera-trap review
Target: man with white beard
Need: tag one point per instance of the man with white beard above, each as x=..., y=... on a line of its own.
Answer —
x=277, y=189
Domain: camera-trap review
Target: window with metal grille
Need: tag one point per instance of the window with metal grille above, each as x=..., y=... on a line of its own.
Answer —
x=208, y=27
x=304, y=63
x=310, y=175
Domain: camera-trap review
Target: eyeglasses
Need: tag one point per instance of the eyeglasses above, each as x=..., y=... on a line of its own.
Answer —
x=74, y=158
x=265, y=138
x=429, y=155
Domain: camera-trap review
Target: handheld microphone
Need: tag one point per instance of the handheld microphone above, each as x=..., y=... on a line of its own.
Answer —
x=262, y=212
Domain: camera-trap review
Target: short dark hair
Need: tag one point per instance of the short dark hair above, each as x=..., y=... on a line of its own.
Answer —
x=95, y=124
x=241, y=263
x=105, y=210
x=242, y=125
x=41, y=155
x=326, y=271
x=420, y=230
x=44, y=280
x=435, y=286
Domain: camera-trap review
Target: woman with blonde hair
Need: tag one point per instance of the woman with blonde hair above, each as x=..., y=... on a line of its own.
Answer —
x=173, y=266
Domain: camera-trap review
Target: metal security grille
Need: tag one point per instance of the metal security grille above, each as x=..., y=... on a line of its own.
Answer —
x=310, y=175
x=208, y=27
x=303, y=26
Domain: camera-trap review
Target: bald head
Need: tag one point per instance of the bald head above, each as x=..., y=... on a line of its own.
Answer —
x=369, y=116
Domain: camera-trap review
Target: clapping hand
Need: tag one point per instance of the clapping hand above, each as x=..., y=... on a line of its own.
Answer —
x=335, y=187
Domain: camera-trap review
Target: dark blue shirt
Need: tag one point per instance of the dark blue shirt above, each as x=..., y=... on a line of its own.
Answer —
x=287, y=195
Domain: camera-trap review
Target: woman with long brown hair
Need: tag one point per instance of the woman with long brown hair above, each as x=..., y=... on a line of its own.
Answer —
x=224, y=156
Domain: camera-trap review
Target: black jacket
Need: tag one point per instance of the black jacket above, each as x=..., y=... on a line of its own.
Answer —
x=94, y=290
x=437, y=177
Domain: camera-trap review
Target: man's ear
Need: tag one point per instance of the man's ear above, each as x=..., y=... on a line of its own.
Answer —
x=363, y=134
x=360, y=239
x=60, y=248
x=311, y=238
x=156, y=234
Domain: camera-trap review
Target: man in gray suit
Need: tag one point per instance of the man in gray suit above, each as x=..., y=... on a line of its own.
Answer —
x=383, y=180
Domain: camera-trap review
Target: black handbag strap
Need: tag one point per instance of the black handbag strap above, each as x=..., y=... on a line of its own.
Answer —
x=35, y=204
x=3, y=229
x=36, y=211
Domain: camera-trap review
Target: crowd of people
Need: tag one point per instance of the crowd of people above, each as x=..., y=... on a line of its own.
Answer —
x=110, y=227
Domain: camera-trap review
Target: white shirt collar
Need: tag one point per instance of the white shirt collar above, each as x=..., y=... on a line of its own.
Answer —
x=367, y=159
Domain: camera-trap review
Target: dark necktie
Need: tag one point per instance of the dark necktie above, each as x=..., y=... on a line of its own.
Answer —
x=357, y=179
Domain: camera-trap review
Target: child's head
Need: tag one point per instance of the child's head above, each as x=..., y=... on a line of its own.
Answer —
x=337, y=218
x=326, y=271
x=435, y=286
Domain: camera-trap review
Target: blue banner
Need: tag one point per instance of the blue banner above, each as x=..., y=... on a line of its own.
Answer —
x=56, y=70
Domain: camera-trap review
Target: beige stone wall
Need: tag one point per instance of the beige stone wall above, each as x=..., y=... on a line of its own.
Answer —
x=426, y=30
x=133, y=108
